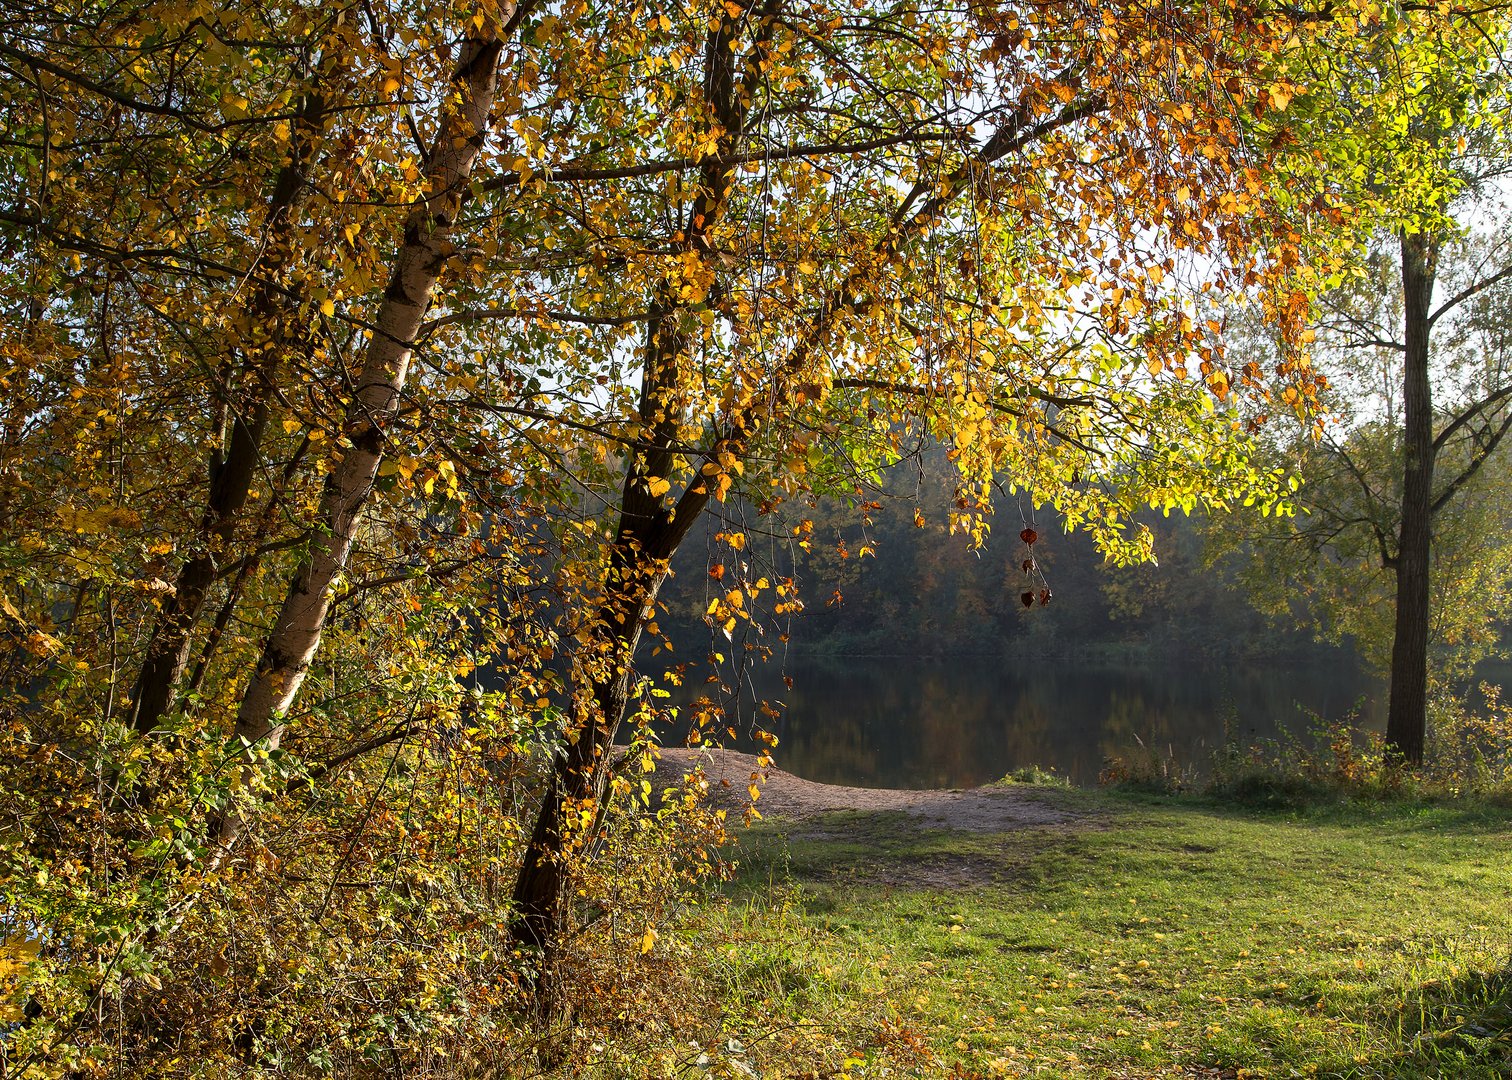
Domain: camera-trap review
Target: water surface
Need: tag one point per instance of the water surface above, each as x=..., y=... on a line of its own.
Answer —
x=914, y=723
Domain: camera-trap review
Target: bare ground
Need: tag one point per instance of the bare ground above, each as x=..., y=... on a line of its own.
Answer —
x=998, y=808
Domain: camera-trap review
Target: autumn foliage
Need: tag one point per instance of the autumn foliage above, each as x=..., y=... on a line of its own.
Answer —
x=364, y=366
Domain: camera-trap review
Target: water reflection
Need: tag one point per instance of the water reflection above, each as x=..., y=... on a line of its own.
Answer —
x=905, y=722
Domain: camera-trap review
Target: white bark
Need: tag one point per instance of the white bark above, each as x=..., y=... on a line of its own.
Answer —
x=427, y=246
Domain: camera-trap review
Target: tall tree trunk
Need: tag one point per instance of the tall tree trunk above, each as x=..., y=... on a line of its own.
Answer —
x=233, y=468
x=647, y=536
x=1407, y=716
x=579, y=777
x=427, y=246
x=648, y=532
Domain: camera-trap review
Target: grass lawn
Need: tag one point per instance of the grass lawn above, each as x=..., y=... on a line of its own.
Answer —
x=1157, y=937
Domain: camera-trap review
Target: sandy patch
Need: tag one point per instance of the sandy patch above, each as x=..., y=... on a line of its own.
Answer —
x=995, y=809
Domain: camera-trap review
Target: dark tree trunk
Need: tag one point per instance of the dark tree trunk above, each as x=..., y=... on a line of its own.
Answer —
x=580, y=775
x=580, y=770
x=168, y=648
x=647, y=536
x=234, y=468
x=1407, y=716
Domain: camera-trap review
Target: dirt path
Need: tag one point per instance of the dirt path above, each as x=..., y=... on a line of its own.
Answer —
x=995, y=809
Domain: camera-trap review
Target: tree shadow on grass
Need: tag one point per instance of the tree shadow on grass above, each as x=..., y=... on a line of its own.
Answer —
x=1295, y=800
x=885, y=850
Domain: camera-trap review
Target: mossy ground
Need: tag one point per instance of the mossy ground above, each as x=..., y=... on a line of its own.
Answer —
x=1160, y=937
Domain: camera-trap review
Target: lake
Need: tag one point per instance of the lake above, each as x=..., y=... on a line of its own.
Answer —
x=913, y=723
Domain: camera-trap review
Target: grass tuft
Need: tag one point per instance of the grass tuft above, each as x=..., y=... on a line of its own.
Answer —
x=1035, y=776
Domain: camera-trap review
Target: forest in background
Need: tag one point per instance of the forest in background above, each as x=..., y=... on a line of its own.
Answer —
x=884, y=575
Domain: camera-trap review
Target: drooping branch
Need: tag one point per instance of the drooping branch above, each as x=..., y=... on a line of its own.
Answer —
x=1383, y=542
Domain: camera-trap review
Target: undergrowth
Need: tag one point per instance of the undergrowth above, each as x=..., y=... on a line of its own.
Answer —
x=1468, y=755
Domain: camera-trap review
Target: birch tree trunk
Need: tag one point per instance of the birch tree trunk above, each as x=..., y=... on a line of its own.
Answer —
x=427, y=246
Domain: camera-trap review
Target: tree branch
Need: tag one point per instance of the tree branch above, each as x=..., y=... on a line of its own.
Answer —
x=1483, y=452
x=1470, y=414
x=1470, y=290
x=573, y=174
x=482, y=314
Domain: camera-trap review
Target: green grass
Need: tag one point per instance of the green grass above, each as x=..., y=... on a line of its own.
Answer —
x=1164, y=937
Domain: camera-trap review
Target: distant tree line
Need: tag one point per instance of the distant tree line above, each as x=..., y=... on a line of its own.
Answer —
x=880, y=578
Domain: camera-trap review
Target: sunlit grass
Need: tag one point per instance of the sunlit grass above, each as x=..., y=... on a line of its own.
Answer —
x=1164, y=938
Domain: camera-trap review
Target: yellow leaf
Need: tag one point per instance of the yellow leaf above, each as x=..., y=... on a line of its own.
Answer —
x=648, y=939
x=327, y=307
x=659, y=485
